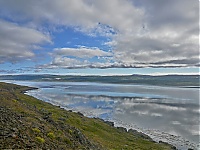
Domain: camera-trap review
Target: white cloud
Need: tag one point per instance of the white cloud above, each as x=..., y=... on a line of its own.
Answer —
x=87, y=14
x=166, y=24
x=82, y=52
x=17, y=42
x=81, y=57
x=145, y=33
x=65, y=62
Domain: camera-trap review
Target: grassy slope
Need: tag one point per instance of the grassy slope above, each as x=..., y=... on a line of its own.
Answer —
x=42, y=125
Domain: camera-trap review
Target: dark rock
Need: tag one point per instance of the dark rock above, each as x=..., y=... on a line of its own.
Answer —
x=172, y=147
x=109, y=123
x=46, y=117
x=80, y=137
x=122, y=129
x=62, y=119
x=79, y=113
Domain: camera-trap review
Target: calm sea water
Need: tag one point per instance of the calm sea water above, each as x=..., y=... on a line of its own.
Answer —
x=169, y=114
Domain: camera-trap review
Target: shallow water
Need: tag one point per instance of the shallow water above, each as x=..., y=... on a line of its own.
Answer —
x=169, y=114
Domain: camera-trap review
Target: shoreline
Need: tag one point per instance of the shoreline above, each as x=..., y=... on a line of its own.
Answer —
x=131, y=129
x=33, y=123
x=151, y=134
x=154, y=135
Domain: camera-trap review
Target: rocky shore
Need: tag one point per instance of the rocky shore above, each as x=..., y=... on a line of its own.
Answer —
x=28, y=123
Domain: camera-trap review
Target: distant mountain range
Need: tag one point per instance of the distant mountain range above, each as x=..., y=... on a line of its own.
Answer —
x=167, y=80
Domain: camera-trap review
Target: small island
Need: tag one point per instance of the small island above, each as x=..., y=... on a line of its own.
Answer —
x=29, y=123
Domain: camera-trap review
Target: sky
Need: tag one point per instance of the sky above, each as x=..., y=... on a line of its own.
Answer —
x=99, y=37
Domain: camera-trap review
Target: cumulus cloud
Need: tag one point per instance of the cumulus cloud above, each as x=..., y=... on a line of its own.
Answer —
x=87, y=14
x=82, y=52
x=145, y=33
x=169, y=38
x=17, y=42
x=81, y=57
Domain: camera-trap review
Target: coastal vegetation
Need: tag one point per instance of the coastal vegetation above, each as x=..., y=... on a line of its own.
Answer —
x=29, y=123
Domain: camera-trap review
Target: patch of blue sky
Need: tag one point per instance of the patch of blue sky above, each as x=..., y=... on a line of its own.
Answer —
x=71, y=38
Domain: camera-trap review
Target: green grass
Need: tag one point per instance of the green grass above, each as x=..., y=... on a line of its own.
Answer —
x=51, y=135
x=40, y=140
x=36, y=130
